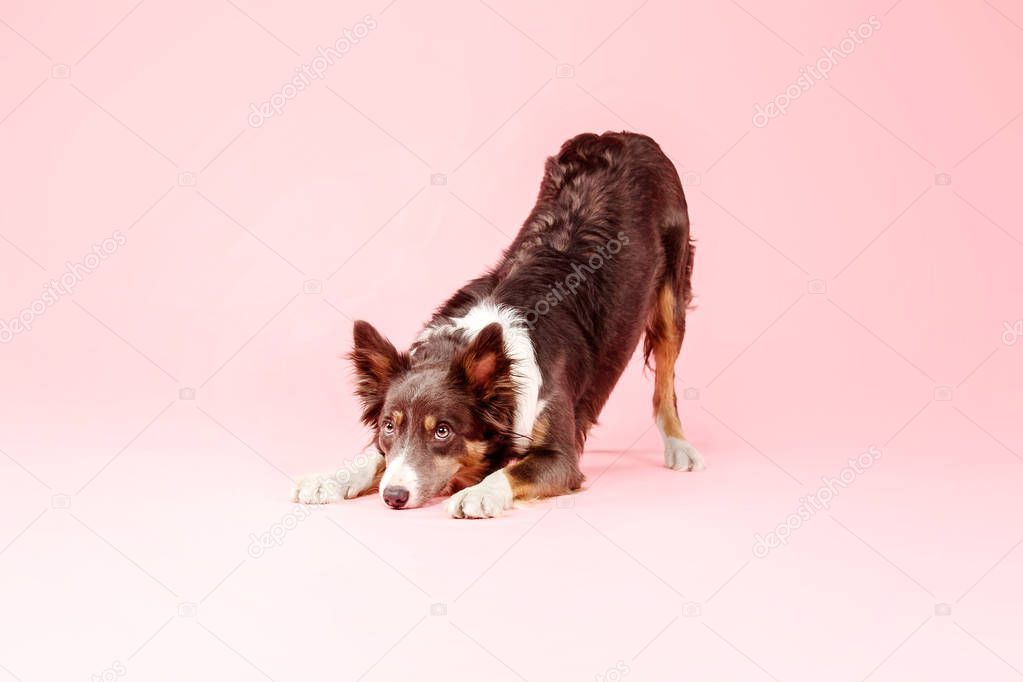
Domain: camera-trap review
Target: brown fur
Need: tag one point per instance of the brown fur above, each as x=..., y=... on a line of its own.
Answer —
x=376, y=362
x=541, y=428
x=473, y=465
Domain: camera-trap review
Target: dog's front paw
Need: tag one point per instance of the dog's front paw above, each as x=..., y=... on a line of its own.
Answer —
x=317, y=489
x=488, y=498
x=680, y=455
x=349, y=481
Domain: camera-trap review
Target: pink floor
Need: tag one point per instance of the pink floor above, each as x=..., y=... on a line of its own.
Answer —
x=860, y=297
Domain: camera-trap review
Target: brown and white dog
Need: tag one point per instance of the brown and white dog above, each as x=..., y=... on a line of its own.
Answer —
x=494, y=400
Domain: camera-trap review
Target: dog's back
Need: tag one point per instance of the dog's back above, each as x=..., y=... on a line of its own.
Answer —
x=604, y=256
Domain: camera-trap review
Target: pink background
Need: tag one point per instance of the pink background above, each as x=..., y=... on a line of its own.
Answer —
x=857, y=284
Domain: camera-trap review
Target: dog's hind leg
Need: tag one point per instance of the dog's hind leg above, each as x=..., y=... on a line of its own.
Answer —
x=665, y=331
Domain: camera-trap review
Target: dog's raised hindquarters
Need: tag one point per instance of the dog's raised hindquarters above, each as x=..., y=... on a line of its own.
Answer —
x=493, y=402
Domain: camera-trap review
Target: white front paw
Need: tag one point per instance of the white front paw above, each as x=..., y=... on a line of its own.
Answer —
x=680, y=455
x=488, y=498
x=351, y=480
x=316, y=489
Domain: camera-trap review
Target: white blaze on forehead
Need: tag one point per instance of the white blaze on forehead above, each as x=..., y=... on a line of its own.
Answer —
x=518, y=346
x=400, y=473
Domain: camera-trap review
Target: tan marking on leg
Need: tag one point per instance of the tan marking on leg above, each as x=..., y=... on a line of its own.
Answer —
x=472, y=465
x=666, y=350
x=529, y=487
x=540, y=428
x=521, y=490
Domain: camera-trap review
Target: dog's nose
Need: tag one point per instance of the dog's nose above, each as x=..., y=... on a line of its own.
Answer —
x=395, y=496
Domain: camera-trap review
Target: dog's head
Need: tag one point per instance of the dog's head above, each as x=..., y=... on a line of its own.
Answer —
x=437, y=415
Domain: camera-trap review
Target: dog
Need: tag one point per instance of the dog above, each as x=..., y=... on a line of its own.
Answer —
x=493, y=402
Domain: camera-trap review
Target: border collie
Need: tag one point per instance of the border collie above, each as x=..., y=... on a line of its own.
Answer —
x=493, y=402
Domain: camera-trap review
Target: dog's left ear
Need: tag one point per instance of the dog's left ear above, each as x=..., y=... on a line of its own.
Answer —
x=376, y=362
x=485, y=369
x=483, y=364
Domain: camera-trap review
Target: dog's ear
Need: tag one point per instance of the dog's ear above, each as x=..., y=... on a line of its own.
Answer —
x=486, y=370
x=483, y=363
x=377, y=362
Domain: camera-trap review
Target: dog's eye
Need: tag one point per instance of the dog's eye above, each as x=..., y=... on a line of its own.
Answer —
x=388, y=427
x=443, y=432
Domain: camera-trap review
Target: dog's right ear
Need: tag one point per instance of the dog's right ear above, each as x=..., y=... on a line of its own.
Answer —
x=376, y=362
